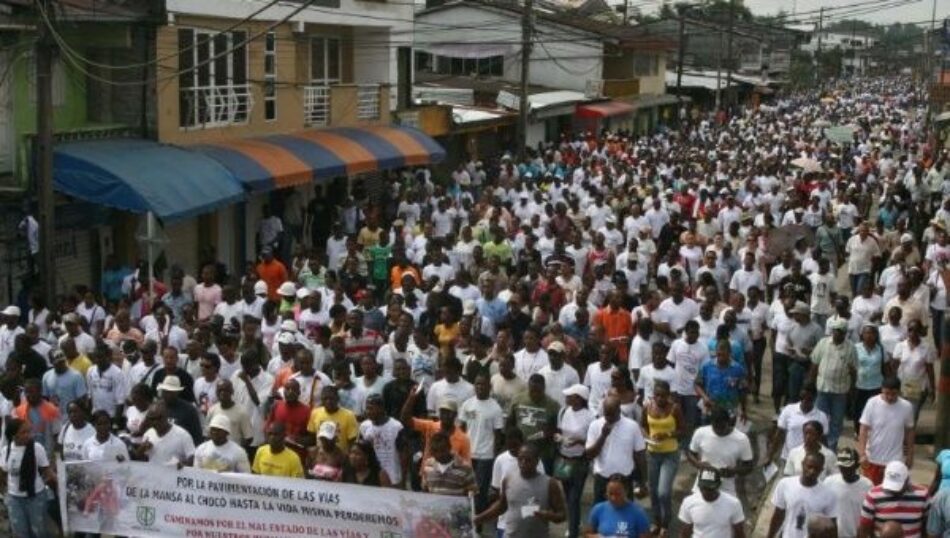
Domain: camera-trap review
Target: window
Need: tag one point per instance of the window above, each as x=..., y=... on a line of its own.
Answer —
x=270, y=76
x=646, y=65
x=213, y=88
x=325, y=60
x=493, y=66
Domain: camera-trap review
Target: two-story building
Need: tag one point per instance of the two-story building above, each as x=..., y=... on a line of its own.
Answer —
x=584, y=73
x=234, y=106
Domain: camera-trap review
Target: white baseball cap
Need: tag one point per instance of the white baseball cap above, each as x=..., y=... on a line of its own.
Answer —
x=577, y=390
x=220, y=422
x=895, y=476
x=260, y=287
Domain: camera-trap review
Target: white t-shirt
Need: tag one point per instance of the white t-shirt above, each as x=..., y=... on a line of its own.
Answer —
x=616, y=455
x=555, y=381
x=800, y=503
x=742, y=280
x=227, y=458
x=791, y=419
x=887, y=423
x=850, y=497
x=726, y=451
x=574, y=426
x=10, y=457
x=459, y=391
x=641, y=353
x=686, y=359
x=111, y=450
x=482, y=418
x=384, y=438
x=505, y=463
x=649, y=375
x=796, y=456
x=676, y=315
x=598, y=381
x=821, y=288
x=175, y=447
x=72, y=439
x=711, y=519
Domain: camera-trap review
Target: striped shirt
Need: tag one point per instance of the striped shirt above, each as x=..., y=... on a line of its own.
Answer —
x=368, y=343
x=908, y=508
x=453, y=478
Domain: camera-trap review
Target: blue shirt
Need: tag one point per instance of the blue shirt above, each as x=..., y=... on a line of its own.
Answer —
x=869, y=367
x=495, y=309
x=609, y=521
x=722, y=385
x=63, y=388
x=737, y=351
x=943, y=461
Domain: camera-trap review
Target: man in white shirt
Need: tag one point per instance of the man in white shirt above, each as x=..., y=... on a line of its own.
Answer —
x=747, y=276
x=675, y=311
x=849, y=489
x=451, y=386
x=796, y=498
x=484, y=420
x=616, y=445
x=887, y=430
x=108, y=386
x=9, y=331
x=862, y=250
x=219, y=454
x=710, y=513
x=252, y=387
x=530, y=359
x=687, y=355
x=788, y=428
x=722, y=447
x=165, y=443
x=558, y=375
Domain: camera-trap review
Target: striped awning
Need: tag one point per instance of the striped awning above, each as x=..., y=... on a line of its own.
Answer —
x=279, y=161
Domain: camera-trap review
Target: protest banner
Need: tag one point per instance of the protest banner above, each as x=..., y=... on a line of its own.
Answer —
x=138, y=499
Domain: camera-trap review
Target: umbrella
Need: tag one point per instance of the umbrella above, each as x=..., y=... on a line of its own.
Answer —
x=808, y=165
x=783, y=238
x=822, y=123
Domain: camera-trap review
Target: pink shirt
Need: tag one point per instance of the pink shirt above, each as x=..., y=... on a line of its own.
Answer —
x=206, y=297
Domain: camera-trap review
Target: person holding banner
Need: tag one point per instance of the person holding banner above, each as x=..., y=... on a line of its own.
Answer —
x=274, y=458
x=220, y=454
x=165, y=443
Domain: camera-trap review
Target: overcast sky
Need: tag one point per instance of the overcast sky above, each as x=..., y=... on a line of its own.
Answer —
x=912, y=12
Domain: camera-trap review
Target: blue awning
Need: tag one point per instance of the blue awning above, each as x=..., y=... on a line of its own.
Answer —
x=142, y=175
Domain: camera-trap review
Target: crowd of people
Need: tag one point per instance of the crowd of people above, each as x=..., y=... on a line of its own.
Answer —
x=598, y=313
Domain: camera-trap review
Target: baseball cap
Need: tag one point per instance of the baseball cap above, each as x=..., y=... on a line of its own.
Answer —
x=895, y=476
x=287, y=338
x=709, y=479
x=449, y=405
x=847, y=457
x=302, y=293
x=288, y=325
x=12, y=311
x=287, y=289
x=557, y=346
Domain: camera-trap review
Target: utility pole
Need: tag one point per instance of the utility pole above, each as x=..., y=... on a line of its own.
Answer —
x=931, y=48
x=719, y=72
x=526, y=31
x=821, y=20
x=626, y=12
x=43, y=148
x=732, y=22
x=680, y=56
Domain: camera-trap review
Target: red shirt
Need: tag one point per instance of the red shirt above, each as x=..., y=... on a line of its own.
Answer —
x=294, y=417
x=274, y=274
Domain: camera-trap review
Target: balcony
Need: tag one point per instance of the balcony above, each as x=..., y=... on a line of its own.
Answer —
x=346, y=104
x=215, y=106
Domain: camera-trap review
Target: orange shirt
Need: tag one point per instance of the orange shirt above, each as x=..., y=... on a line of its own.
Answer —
x=618, y=326
x=274, y=274
x=396, y=274
x=459, y=441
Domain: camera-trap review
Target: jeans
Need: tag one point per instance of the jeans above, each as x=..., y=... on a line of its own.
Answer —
x=662, y=470
x=861, y=398
x=573, y=491
x=689, y=404
x=758, y=351
x=820, y=319
x=936, y=327
x=834, y=405
x=796, y=378
x=483, y=470
x=779, y=378
x=856, y=281
x=28, y=515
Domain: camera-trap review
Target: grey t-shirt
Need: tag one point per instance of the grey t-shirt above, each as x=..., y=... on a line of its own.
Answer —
x=803, y=338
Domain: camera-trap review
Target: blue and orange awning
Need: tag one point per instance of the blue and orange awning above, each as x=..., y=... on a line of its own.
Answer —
x=279, y=161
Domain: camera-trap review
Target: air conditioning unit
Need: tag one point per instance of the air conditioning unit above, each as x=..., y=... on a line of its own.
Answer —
x=594, y=89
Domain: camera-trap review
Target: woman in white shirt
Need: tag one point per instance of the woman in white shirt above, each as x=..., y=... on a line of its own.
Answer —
x=74, y=433
x=104, y=445
x=27, y=470
x=571, y=466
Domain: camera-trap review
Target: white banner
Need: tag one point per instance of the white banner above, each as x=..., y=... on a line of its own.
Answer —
x=137, y=499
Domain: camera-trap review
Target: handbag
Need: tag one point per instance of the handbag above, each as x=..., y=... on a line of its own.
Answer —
x=564, y=468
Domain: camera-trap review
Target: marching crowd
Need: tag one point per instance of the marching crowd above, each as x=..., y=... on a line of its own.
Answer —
x=597, y=312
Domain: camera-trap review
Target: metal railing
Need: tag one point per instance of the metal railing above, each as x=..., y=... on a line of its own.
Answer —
x=214, y=106
x=316, y=105
x=367, y=102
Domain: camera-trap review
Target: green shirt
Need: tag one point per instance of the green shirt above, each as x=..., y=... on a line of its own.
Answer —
x=501, y=250
x=379, y=256
x=532, y=419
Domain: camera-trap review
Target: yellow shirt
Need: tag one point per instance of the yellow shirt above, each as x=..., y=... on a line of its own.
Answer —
x=286, y=463
x=81, y=364
x=346, y=426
